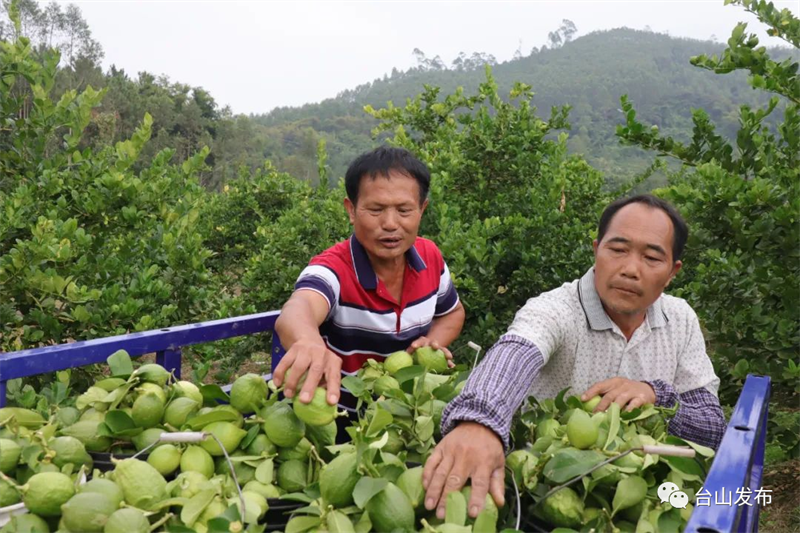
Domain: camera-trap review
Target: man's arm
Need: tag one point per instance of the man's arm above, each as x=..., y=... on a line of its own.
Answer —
x=298, y=328
x=699, y=417
x=497, y=387
x=477, y=423
x=444, y=330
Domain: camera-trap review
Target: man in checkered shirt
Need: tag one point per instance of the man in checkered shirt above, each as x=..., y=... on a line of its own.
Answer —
x=611, y=333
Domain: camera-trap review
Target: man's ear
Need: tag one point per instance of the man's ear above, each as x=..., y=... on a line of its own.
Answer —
x=351, y=209
x=594, y=247
x=424, y=206
x=676, y=267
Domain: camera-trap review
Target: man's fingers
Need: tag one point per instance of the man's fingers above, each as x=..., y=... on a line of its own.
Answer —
x=634, y=403
x=497, y=487
x=437, y=482
x=298, y=369
x=449, y=356
x=606, y=401
x=456, y=479
x=623, y=398
x=283, y=366
x=480, y=488
x=419, y=343
x=430, y=466
x=333, y=378
x=315, y=372
x=599, y=388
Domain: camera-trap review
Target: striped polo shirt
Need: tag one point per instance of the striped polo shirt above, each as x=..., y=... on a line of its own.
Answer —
x=364, y=321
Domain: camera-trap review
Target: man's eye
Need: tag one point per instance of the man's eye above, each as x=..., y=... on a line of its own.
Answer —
x=618, y=250
x=651, y=258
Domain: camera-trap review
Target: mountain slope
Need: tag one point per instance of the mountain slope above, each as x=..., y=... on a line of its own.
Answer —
x=589, y=73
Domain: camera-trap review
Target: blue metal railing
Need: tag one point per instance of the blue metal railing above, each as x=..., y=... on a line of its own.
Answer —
x=166, y=343
x=738, y=463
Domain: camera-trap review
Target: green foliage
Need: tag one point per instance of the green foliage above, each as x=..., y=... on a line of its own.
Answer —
x=742, y=200
x=250, y=200
x=500, y=184
x=315, y=221
x=88, y=247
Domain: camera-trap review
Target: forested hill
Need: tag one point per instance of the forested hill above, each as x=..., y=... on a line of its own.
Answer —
x=589, y=73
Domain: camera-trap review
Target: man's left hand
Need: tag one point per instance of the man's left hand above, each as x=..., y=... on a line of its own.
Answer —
x=425, y=341
x=625, y=392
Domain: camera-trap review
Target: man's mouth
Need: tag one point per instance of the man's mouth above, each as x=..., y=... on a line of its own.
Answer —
x=627, y=290
x=390, y=242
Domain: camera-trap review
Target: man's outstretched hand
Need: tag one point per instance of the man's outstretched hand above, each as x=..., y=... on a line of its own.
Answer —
x=625, y=392
x=321, y=364
x=470, y=451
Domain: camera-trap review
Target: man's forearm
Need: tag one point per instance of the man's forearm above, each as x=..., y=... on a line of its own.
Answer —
x=699, y=417
x=296, y=322
x=445, y=329
x=497, y=387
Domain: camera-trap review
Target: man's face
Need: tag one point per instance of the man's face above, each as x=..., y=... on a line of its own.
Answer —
x=387, y=215
x=633, y=263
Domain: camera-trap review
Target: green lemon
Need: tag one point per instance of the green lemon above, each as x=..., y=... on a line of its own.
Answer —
x=248, y=393
x=88, y=511
x=581, y=431
x=338, y=479
x=104, y=486
x=432, y=360
x=128, y=520
x=143, y=486
x=9, y=455
x=165, y=459
x=46, y=492
x=282, y=426
x=187, y=389
x=229, y=434
x=563, y=508
x=69, y=450
x=148, y=409
x=384, y=384
x=318, y=412
x=391, y=509
x=196, y=459
x=397, y=361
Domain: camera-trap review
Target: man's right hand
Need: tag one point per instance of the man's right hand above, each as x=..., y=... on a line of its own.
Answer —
x=314, y=357
x=469, y=451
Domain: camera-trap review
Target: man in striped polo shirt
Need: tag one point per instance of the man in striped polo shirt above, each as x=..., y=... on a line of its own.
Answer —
x=382, y=290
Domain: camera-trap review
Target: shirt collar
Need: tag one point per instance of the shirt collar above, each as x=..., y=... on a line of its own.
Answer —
x=596, y=315
x=364, y=271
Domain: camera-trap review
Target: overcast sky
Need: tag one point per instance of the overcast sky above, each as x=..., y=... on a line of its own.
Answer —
x=257, y=55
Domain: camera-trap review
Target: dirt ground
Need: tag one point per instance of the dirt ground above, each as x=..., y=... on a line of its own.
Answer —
x=783, y=514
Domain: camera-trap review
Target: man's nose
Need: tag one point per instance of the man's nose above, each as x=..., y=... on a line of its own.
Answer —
x=631, y=268
x=390, y=220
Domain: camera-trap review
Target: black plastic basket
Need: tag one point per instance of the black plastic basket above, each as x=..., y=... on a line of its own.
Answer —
x=103, y=463
x=279, y=513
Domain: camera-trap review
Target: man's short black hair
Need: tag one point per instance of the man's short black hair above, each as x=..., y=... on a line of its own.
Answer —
x=379, y=162
x=680, y=229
